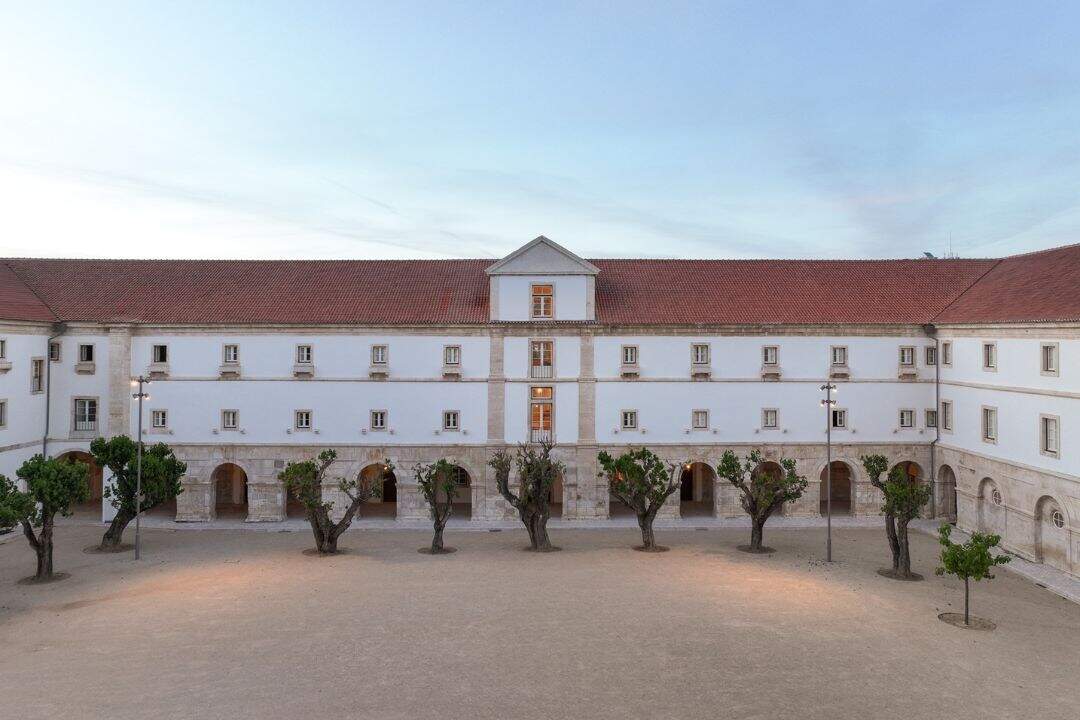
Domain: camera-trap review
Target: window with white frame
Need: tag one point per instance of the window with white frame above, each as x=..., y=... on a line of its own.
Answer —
x=839, y=355
x=541, y=359
x=54, y=352
x=907, y=418
x=378, y=419
x=989, y=424
x=1049, y=361
x=231, y=354
x=159, y=419
x=230, y=419
x=85, y=414
x=541, y=413
x=451, y=355
x=946, y=417
x=700, y=419
x=3, y=413
x=451, y=420
x=86, y=353
x=839, y=418
x=628, y=419
x=699, y=354
x=380, y=354
x=629, y=355
x=931, y=356
x=543, y=302
x=159, y=353
x=907, y=356
x=37, y=375
x=946, y=353
x=989, y=354
x=1049, y=435
x=770, y=355
x=770, y=418
x=931, y=418
x=303, y=420
x=303, y=355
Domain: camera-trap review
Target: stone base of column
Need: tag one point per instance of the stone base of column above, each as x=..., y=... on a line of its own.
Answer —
x=411, y=505
x=727, y=500
x=195, y=503
x=809, y=505
x=866, y=499
x=266, y=502
x=339, y=501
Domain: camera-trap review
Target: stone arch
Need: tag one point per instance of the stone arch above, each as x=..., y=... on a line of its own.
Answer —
x=229, y=489
x=95, y=478
x=1051, y=533
x=945, y=490
x=991, y=507
x=697, y=492
x=841, y=490
x=385, y=505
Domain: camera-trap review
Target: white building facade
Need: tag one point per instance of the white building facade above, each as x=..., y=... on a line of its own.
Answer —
x=256, y=364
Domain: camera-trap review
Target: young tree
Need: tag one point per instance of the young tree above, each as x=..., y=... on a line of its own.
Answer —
x=52, y=486
x=904, y=499
x=304, y=481
x=640, y=479
x=437, y=485
x=161, y=473
x=970, y=560
x=537, y=471
x=762, y=493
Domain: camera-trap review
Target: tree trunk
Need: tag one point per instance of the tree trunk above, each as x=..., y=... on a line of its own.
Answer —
x=437, y=539
x=44, y=551
x=902, y=556
x=112, y=537
x=967, y=601
x=757, y=533
x=539, y=534
x=894, y=543
x=648, y=538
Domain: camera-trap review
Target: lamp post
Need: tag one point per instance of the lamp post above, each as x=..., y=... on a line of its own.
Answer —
x=139, y=395
x=828, y=403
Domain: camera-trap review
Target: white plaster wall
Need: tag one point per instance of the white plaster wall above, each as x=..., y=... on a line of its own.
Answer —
x=517, y=412
x=1019, y=363
x=516, y=356
x=21, y=437
x=515, y=296
x=67, y=385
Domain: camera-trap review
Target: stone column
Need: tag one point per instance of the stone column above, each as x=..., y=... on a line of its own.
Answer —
x=196, y=502
x=331, y=493
x=727, y=500
x=119, y=403
x=266, y=501
x=496, y=431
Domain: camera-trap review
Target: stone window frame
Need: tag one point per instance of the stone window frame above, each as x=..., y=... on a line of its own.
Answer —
x=450, y=350
x=3, y=348
x=900, y=419
x=765, y=355
x=154, y=353
x=846, y=418
x=529, y=357
x=989, y=356
x=765, y=416
x=927, y=415
x=907, y=349
x=235, y=360
x=83, y=356
x=164, y=413
x=300, y=347
x=694, y=347
x=946, y=416
x=629, y=414
x=236, y=419
x=694, y=417
x=1056, y=355
x=988, y=424
x=1057, y=518
x=58, y=354
x=1043, y=437
x=37, y=363
x=832, y=355
x=451, y=427
x=378, y=427
x=635, y=352
x=533, y=295
x=930, y=354
x=92, y=433
x=3, y=412
x=377, y=350
x=946, y=353
x=298, y=415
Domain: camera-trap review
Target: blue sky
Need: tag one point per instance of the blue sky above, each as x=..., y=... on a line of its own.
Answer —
x=756, y=129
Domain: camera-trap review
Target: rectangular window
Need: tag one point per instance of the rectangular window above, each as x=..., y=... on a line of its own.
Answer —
x=839, y=419
x=231, y=354
x=946, y=415
x=931, y=418
x=1049, y=353
x=159, y=419
x=629, y=419
x=699, y=354
x=86, y=353
x=1049, y=435
x=770, y=418
x=85, y=415
x=907, y=356
x=54, y=352
x=700, y=419
x=3, y=413
x=541, y=413
x=543, y=302
x=541, y=359
x=946, y=354
x=989, y=424
x=770, y=355
x=230, y=419
x=378, y=419
x=303, y=419
x=907, y=418
x=380, y=354
x=451, y=355
x=37, y=375
x=931, y=356
x=451, y=420
x=989, y=356
x=3, y=349
x=159, y=354
x=629, y=354
x=303, y=355
x=839, y=355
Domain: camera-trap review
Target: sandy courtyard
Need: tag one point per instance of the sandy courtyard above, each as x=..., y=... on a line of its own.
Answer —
x=235, y=624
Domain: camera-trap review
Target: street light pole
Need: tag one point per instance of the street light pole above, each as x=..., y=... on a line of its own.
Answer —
x=828, y=403
x=140, y=396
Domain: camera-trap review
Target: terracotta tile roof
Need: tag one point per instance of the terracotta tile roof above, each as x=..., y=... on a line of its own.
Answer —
x=1036, y=287
x=18, y=302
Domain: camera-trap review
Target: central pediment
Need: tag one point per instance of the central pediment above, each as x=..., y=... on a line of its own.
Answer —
x=542, y=256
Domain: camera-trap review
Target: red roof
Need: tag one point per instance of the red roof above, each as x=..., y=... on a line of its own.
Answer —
x=1032, y=288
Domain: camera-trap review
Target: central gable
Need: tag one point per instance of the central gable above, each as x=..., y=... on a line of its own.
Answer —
x=542, y=256
x=542, y=267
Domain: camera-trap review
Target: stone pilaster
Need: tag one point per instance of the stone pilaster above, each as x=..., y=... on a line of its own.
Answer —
x=266, y=501
x=496, y=430
x=411, y=505
x=196, y=502
x=587, y=392
x=119, y=381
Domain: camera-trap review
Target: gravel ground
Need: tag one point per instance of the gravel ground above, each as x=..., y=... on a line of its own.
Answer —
x=234, y=624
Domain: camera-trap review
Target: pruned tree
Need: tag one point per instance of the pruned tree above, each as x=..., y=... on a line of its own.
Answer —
x=970, y=561
x=161, y=473
x=904, y=499
x=762, y=492
x=304, y=481
x=438, y=486
x=640, y=479
x=537, y=471
x=52, y=487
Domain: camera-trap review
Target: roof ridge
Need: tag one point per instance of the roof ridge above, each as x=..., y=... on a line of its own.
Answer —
x=29, y=289
x=973, y=283
x=1040, y=252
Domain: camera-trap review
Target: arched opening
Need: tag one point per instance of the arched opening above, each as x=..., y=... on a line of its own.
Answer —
x=914, y=475
x=555, y=497
x=230, y=491
x=946, y=494
x=838, y=487
x=1051, y=536
x=697, y=490
x=384, y=506
x=463, y=498
x=991, y=511
x=92, y=506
